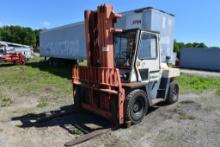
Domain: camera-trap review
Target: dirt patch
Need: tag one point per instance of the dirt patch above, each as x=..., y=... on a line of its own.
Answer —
x=49, y=89
x=6, y=101
x=184, y=110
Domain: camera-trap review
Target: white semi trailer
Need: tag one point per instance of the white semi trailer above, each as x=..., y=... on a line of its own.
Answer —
x=68, y=42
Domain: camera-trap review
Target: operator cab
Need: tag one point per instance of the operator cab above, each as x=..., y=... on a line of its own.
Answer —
x=137, y=55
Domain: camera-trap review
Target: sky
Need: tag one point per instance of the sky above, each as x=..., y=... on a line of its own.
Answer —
x=195, y=20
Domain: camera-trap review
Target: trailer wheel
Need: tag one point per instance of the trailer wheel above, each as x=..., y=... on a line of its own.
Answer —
x=136, y=105
x=173, y=93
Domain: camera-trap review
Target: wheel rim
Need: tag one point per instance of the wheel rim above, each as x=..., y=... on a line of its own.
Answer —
x=138, y=108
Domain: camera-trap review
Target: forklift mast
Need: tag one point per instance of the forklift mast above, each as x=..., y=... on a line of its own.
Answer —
x=97, y=86
x=99, y=29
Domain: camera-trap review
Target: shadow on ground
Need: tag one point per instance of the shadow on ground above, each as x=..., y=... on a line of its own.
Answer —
x=75, y=122
x=62, y=70
x=6, y=65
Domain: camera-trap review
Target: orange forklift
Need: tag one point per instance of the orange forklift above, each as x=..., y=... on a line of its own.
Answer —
x=124, y=75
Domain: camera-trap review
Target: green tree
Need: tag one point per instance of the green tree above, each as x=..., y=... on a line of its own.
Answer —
x=177, y=47
x=180, y=45
x=21, y=35
x=202, y=45
x=37, y=35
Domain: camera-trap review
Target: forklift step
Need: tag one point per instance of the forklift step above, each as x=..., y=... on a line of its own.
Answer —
x=157, y=100
x=107, y=91
x=127, y=124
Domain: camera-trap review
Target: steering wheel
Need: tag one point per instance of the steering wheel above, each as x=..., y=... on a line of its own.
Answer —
x=124, y=54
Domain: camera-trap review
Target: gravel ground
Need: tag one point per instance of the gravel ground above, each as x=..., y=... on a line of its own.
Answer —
x=192, y=122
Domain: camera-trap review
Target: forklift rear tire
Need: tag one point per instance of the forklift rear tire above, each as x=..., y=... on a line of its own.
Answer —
x=173, y=93
x=136, y=105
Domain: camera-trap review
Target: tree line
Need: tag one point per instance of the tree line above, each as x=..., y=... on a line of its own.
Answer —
x=179, y=45
x=20, y=35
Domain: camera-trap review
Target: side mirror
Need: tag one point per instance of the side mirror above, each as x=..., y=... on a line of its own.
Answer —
x=167, y=59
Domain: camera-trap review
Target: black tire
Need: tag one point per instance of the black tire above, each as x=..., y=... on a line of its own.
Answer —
x=136, y=106
x=173, y=93
x=114, y=110
x=76, y=98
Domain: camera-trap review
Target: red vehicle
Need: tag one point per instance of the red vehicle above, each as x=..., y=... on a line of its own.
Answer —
x=15, y=58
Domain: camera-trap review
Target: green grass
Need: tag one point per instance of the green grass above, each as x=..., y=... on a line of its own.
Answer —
x=83, y=63
x=198, y=83
x=75, y=131
x=35, y=76
x=5, y=101
x=42, y=103
x=49, y=86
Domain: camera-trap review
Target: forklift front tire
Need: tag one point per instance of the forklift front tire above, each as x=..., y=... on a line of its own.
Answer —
x=136, y=105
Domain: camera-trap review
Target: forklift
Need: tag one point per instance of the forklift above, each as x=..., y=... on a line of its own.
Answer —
x=124, y=75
